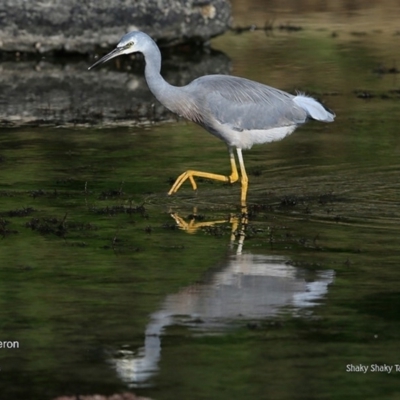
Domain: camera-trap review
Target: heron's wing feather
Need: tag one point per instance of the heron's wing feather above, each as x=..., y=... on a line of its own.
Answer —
x=246, y=105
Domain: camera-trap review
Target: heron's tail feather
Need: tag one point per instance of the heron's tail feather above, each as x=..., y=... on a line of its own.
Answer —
x=314, y=109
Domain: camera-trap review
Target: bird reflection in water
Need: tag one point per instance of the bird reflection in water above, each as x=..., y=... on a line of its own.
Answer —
x=244, y=287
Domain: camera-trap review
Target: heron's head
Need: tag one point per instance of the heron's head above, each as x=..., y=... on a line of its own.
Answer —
x=132, y=42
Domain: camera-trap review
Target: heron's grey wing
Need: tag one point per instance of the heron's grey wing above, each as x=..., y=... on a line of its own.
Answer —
x=243, y=104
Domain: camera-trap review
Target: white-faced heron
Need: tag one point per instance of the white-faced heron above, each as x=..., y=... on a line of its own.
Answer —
x=239, y=111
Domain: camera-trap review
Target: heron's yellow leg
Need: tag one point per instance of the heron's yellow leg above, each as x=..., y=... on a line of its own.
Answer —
x=190, y=174
x=244, y=180
x=234, y=176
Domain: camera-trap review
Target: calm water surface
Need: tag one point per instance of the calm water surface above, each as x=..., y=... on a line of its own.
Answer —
x=110, y=286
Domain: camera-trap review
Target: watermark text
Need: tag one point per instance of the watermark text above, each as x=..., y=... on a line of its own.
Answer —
x=368, y=368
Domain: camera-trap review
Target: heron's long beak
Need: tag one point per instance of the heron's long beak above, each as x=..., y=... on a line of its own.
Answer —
x=115, y=53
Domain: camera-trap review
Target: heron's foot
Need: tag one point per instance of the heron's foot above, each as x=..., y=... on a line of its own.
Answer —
x=190, y=174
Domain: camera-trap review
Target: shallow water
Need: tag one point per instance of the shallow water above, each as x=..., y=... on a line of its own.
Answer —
x=106, y=294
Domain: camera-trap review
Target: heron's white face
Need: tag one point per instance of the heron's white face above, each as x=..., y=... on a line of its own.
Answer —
x=127, y=48
x=130, y=43
x=134, y=42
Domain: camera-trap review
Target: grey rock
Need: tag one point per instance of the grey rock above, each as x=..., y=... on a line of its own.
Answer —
x=85, y=25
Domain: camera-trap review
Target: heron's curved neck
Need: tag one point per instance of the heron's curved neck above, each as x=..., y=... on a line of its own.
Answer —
x=162, y=90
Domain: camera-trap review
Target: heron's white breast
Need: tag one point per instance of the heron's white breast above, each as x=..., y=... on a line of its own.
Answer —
x=247, y=138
